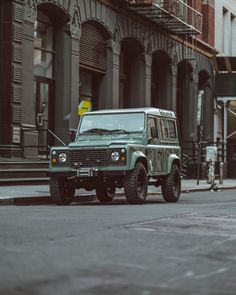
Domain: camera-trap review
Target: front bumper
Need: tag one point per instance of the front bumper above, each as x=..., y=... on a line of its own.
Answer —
x=87, y=172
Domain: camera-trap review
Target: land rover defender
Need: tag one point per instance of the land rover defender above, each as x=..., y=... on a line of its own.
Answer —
x=119, y=148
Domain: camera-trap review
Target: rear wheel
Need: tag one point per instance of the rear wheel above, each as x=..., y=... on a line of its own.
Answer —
x=62, y=190
x=171, y=186
x=136, y=184
x=105, y=192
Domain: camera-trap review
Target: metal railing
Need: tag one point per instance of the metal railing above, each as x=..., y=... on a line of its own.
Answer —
x=194, y=155
x=174, y=15
x=196, y=150
x=55, y=136
x=46, y=139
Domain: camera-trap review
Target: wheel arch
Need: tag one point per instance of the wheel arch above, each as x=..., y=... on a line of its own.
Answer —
x=173, y=159
x=139, y=156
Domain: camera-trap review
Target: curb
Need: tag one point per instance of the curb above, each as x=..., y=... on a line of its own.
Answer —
x=205, y=189
x=46, y=200
x=40, y=200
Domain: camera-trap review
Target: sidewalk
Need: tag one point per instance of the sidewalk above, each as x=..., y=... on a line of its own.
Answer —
x=39, y=194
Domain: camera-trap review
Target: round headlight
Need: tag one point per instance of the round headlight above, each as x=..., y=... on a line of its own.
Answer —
x=62, y=157
x=115, y=156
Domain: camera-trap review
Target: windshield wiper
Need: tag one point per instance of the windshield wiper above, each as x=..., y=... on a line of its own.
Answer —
x=119, y=131
x=96, y=131
x=101, y=131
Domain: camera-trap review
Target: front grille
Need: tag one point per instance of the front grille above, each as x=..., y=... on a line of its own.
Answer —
x=88, y=157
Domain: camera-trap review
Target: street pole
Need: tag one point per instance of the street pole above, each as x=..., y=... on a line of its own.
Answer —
x=200, y=134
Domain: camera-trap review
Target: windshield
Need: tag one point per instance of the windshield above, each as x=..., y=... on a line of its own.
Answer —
x=112, y=123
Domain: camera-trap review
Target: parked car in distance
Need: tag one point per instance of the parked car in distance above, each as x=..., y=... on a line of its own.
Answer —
x=119, y=148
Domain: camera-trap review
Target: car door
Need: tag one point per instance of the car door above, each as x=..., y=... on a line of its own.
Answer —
x=161, y=148
x=155, y=151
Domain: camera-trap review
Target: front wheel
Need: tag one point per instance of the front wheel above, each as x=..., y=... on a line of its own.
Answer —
x=105, y=192
x=171, y=186
x=62, y=190
x=136, y=184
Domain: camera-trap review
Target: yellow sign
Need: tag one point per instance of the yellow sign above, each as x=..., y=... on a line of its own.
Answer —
x=84, y=106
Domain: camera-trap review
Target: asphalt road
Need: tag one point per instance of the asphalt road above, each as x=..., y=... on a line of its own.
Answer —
x=155, y=248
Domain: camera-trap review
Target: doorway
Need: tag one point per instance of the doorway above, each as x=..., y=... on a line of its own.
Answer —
x=93, y=66
x=44, y=114
x=161, y=92
x=90, y=82
x=132, y=74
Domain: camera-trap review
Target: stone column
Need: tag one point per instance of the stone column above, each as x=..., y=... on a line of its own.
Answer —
x=75, y=30
x=194, y=102
x=75, y=83
x=208, y=112
x=11, y=81
x=174, y=71
x=189, y=109
x=109, y=89
x=148, y=79
x=29, y=133
x=115, y=93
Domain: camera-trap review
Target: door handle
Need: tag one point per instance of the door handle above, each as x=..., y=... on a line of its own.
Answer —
x=40, y=119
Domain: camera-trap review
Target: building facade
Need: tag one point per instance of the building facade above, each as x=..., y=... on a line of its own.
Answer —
x=59, y=58
x=225, y=74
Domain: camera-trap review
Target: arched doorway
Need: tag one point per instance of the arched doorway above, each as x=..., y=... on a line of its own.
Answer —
x=186, y=109
x=43, y=78
x=132, y=74
x=48, y=29
x=93, y=66
x=205, y=106
x=161, y=91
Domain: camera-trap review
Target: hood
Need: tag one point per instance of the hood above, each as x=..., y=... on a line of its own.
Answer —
x=107, y=140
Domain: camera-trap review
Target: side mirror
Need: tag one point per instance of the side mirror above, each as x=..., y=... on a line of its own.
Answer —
x=72, y=134
x=154, y=132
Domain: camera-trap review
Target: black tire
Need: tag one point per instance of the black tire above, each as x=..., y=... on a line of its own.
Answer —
x=62, y=190
x=171, y=185
x=105, y=192
x=136, y=185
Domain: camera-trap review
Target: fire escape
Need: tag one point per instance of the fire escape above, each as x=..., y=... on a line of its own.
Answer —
x=174, y=16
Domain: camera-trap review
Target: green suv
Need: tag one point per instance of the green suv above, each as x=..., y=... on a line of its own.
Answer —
x=119, y=148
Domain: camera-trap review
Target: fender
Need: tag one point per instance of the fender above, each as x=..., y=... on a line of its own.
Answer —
x=135, y=156
x=173, y=158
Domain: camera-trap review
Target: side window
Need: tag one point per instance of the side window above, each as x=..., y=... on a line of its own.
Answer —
x=168, y=129
x=151, y=123
x=171, y=129
x=164, y=130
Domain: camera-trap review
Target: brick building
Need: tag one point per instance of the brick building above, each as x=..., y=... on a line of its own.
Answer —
x=58, y=56
x=225, y=75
